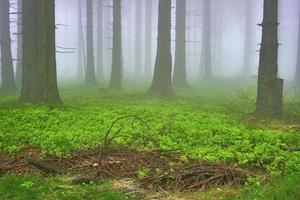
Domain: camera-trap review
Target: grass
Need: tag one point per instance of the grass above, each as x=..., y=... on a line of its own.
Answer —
x=211, y=122
x=36, y=188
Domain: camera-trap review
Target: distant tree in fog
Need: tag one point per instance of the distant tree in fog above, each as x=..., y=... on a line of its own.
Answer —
x=248, y=38
x=148, y=37
x=100, y=71
x=7, y=71
x=180, y=74
x=116, y=69
x=90, y=76
x=138, y=38
x=206, y=56
x=80, y=48
x=162, y=79
x=19, y=43
x=39, y=80
x=297, y=74
x=270, y=87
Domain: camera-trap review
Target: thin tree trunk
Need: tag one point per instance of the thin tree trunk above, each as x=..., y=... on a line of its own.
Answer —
x=297, y=74
x=90, y=77
x=19, y=43
x=162, y=83
x=80, y=48
x=248, y=39
x=8, y=81
x=270, y=87
x=100, y=71
x=180, y=75
x=116, y=69
x=39, y=79
x=138, y=37
x=148, y=38
x=206, y=40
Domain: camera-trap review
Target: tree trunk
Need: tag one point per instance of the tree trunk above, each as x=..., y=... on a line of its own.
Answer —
x=100, y=72
x=116, y=68
x=180, y=75
x=138, y=37
x=206, y=40
x=90, y=76
x=80, y=49
x=148, y=38
x=270, y=87
x=162, y=83
x=297, y=74
x=39, y=80
x=19, y=43
x=7, y=72
x=248, y=39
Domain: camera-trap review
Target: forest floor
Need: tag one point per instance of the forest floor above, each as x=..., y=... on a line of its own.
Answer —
x=201, y=143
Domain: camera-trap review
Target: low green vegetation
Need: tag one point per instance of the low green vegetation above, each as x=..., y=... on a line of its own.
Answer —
x=211, y=122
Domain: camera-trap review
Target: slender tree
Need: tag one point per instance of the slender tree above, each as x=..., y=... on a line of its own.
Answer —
x=148, y=38
x=206, y=40
x=248, y=38
x=297, y=74
x=138, y=37
x=162, y=79
x=39, y=79
x=90, y=76
x=80, y=49
x=19, y=43
x=116, y=69
x=270, y=87
x=7, y=72
x=180, y=75
x=100, y=72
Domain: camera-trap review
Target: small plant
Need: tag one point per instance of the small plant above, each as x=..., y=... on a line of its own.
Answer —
x=144, y=173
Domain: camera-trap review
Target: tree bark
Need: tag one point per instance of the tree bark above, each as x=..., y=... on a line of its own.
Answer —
x=162, y=79
x=148, y=38
x=116, y=69
x=7, y=72
x=180, y=75
x=39, y=79
x=19, y=43
x=100, y=71
x=206, y=40
x=270, y=87
x=90, y=76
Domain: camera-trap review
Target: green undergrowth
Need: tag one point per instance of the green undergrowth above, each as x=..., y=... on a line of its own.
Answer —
x=37, y=188
x=208, y=122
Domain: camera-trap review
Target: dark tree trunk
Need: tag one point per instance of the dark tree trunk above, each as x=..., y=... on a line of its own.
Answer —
x=248, y=38
x=206, y=40
x=270, y=87
x=116, y=68
x=138, y=37
x=7, y=72
x=162, y=83
x=19, y=43
x=297, y=74
x=39, y=80
x=100, y=72
x=148, y=38
x=90, y=76
x=180, y=75
x=80, y=49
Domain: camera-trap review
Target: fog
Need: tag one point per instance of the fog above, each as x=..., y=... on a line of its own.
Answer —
x=228, y=18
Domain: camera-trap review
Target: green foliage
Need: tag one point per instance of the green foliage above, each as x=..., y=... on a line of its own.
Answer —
x=37, y=188
x=142, y=174
x=203, y=123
